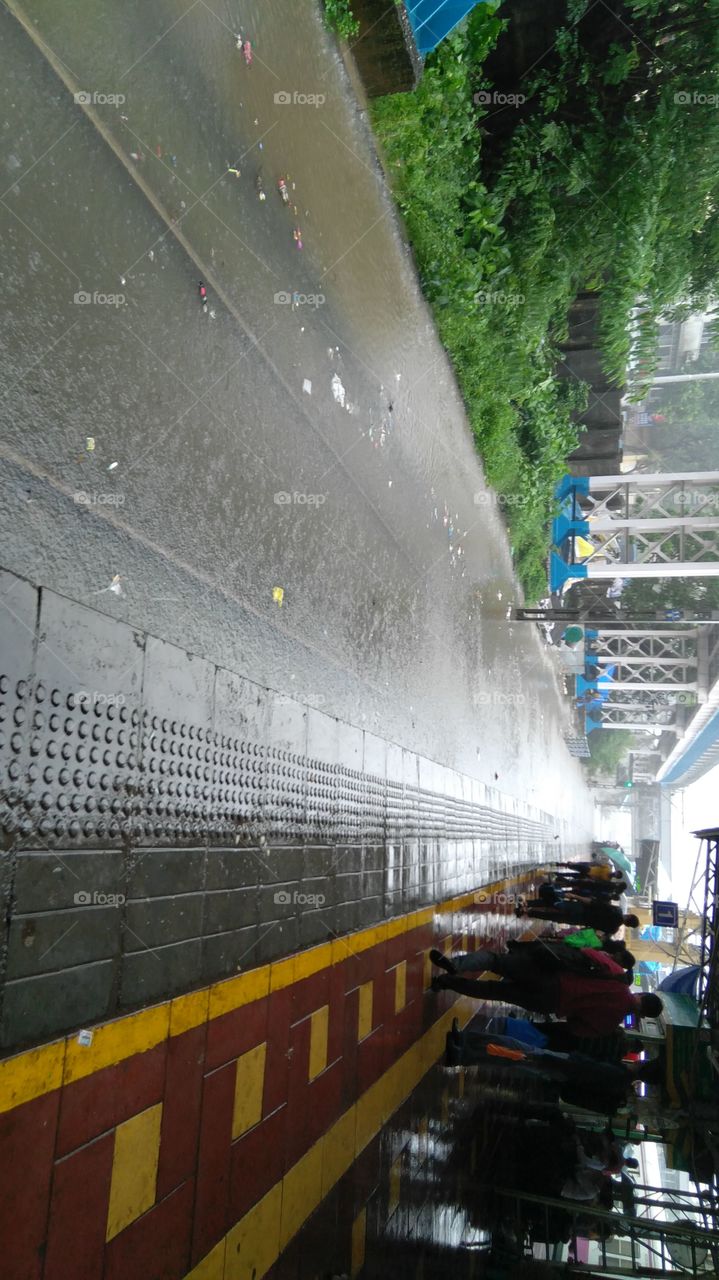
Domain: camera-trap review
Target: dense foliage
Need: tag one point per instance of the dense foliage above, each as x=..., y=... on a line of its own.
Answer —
x=604, y=177
x=340, y=19
x=608, y=749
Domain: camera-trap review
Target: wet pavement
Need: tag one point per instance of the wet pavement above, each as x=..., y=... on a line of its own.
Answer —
x=144, y=439
x=167, y=822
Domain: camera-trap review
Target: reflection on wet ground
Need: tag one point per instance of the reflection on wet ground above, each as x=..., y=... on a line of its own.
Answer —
x=303, y=435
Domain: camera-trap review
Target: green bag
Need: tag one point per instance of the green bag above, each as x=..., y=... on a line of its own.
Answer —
x=583, y=938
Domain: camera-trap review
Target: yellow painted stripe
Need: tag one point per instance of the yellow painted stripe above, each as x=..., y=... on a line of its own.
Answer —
x=134, y=1169
x=399, y=925
x=282, y=973
x=212, y=1266
x=319, y=1034
x=29, y=1075
x=254, y=1244
x=38, y=1071
x=189, y=1011
x=400, y=986
x=115, y=1041
x=312, y=961
x=233, y=993
x=301, y=1192
x=339, y=1150
x=364, y=1017
x=249, y=1089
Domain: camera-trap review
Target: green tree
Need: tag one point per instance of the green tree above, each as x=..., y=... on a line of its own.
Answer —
x=604, y=179
x=671, y=593
x=608, y=747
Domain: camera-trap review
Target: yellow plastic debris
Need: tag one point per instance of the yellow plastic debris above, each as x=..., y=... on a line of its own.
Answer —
x=278, y=595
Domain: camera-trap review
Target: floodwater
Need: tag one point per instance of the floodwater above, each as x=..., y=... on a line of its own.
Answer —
x=318, y=445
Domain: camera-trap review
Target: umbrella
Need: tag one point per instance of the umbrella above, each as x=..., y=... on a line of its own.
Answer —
x=621, y=862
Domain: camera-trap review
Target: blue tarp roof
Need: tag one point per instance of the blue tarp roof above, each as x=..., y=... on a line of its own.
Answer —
x=432, y=20
x=682, y=981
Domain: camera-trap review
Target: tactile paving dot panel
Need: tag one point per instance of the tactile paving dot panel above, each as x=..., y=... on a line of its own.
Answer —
x=86, y=772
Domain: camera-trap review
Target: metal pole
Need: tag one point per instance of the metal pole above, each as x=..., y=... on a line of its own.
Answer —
x=618, y=659
x=656, y=569
x=650, y=524
x=598, y=484
x=633, y=685
x=665, y=378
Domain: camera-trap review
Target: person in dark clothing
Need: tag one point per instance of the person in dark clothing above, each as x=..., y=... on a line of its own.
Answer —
x=595, y=915
x=580, y=887
x=609, y=1048
x=548, y=954
x=583, y=1081
x=588, y=870
x=592, y=1006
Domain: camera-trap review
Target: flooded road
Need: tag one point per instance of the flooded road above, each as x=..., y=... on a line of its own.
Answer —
x=316, y=445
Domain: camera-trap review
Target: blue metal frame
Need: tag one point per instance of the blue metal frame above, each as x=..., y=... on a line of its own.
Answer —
x=432, y=20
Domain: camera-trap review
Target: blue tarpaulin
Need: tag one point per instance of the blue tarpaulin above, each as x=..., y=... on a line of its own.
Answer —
x=683, y=982
x=432, y=20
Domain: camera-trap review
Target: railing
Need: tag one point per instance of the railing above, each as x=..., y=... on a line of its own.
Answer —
x=656, y=1248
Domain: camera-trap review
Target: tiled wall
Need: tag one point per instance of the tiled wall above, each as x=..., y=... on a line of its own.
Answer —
x=198, y=1135
x=164, y=820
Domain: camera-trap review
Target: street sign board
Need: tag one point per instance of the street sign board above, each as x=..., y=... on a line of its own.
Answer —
x=665, y=914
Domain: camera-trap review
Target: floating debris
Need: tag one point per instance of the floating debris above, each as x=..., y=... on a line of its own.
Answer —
x=307, y=386
x=90, y=444
x=112, y=466
x=115, y=587
x=338, y=390
x=278, y=595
